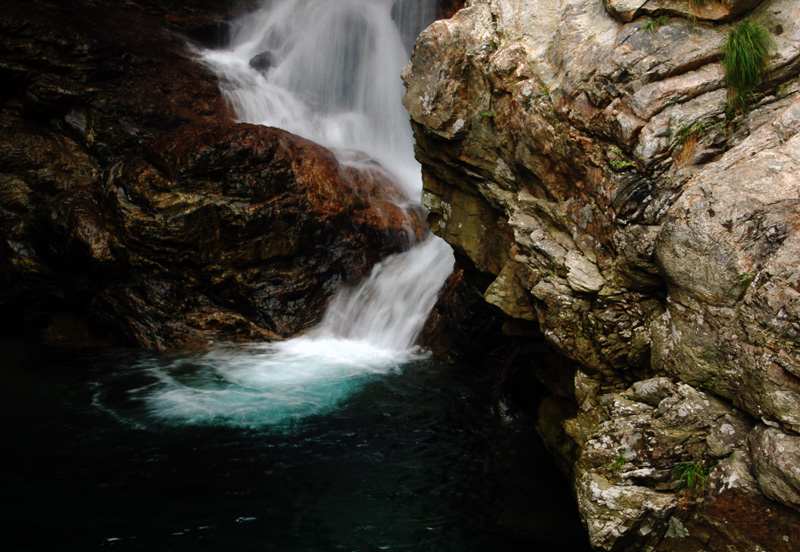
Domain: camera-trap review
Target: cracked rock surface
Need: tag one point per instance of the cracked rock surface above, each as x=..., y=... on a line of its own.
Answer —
x=583, y=156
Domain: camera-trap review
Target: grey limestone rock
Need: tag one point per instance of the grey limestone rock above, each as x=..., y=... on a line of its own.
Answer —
x=589, y=165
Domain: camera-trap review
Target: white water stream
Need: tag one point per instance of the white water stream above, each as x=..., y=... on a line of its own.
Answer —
x=330, y=72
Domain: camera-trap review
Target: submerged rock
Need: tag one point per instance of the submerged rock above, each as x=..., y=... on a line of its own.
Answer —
x=590, y=166
x=129, y=199
x=262, y=61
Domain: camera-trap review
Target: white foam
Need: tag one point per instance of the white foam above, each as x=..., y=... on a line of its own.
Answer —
x=268, y=384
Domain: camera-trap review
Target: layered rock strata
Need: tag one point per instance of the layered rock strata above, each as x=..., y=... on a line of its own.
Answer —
x=584, y=156
x=132, y=204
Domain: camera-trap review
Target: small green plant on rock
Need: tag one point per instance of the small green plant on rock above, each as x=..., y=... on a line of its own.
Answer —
x=619, y=164
x=746, y=60
x=685, y=132
x=654, y=24
x=543, y=90
x=708, y=386
x=784, y=89
x=487, y=114
x=693, y=475
x=617, y=464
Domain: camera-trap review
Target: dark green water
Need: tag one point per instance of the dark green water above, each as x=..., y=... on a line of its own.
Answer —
x=405, y=459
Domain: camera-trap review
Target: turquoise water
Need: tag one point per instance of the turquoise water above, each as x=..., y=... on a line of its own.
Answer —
x=224, y=450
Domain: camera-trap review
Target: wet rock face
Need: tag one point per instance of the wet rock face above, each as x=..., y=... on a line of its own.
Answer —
x=262, y=61
x=202, y=21
x=129, y=199
x=253, y=227
x=582, y=155
x=462, y=326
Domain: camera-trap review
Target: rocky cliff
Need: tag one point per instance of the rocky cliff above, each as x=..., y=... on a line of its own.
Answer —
x=133, y=208
x=589, y=159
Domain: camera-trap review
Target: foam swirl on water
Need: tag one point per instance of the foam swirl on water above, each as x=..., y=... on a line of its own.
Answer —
x=268, y=384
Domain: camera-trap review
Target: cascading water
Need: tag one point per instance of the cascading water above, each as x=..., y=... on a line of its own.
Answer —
x=328, y=70
x=390, y=307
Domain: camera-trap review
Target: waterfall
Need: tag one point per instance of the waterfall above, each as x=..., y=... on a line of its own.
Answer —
x=327, y=70
x=391, y=306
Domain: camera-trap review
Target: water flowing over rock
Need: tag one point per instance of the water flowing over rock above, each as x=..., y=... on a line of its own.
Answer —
x=130, y=199
x=584, y=157
x=328, y=71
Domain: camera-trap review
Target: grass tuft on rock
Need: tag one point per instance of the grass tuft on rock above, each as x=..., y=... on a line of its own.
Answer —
x=687, y=138
x=693, y=475
x=746, y=59
x=654, y=24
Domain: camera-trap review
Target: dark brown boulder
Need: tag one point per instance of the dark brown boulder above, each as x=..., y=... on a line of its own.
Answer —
x=254, y=226
x=448, y=8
